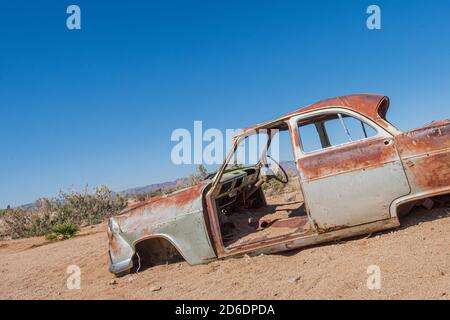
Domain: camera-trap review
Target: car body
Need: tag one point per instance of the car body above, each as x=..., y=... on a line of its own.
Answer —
x=349, y=189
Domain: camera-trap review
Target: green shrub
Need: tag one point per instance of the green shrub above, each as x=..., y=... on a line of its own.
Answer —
x=51, y=237
x=62, y=232
x=66, y=229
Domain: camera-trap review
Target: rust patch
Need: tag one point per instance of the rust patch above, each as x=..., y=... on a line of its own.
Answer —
x=115, y=246
x=368, y=153
x=433, y=137
x=329, y=228
x=140, y=219
x=425, y=153
x=293, y=223
x=429, y=171
x=296, y=140
x=178, y=199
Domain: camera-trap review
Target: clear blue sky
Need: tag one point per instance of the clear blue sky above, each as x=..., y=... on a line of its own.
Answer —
x=98, y=105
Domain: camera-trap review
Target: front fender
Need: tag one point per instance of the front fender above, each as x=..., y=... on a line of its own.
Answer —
x=177, y=217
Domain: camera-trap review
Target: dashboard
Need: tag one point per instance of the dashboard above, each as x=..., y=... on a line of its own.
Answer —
x=233, y=183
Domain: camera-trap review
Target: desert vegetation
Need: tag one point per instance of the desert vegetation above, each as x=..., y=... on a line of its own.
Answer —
x=62, y=215
x=62, y=232
x=274, y=187
x=198, y=176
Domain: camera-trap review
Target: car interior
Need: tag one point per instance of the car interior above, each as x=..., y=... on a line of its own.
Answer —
x=259, y=195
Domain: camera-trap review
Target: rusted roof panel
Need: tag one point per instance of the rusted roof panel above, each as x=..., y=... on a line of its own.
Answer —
x=373, y=106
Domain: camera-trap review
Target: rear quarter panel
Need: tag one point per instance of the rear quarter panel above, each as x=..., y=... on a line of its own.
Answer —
x=425, y=154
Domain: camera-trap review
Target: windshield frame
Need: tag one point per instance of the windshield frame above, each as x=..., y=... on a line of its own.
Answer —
x=271, y=130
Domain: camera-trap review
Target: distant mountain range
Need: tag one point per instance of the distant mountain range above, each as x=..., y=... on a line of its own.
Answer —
x=153, y=187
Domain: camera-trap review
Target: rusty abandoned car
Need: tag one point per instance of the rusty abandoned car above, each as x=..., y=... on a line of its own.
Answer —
x=355, y=174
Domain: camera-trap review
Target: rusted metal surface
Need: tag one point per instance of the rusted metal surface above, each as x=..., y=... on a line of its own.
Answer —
x=429, y=172
x=368, y=153
x=177, y=199
x=295, y=222
x=349, y=189
x=430, y=138
x=425, y=153
x=373, y=106
x=177, y=218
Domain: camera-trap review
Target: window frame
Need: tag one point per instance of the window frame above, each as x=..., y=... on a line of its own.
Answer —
x=274, y=130
x=294, y=121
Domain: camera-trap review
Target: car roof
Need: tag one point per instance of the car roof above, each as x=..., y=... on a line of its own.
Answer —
x=373, y=106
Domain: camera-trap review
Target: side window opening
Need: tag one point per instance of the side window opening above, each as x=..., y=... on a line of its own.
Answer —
x=333, y=130
x=309, y=136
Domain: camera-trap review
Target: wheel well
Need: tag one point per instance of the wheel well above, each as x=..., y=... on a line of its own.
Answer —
x=439, y=200
x=155, y=251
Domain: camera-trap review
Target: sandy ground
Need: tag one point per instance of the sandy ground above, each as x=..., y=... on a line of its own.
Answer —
x=414, y=262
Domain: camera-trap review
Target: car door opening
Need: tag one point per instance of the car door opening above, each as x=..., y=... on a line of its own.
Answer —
x=259, y=195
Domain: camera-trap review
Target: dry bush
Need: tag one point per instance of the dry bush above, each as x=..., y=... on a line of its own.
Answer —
x=146, y=195
x=70, y=208
x=20, y=223
x=275, y=187
x=200, y=175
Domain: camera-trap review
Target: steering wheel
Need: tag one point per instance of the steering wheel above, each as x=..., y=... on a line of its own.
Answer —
x=284, y=177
